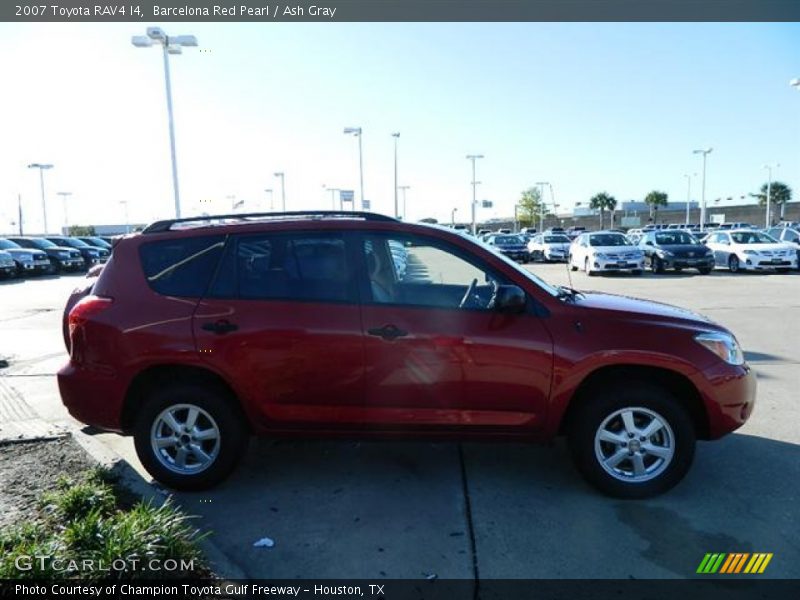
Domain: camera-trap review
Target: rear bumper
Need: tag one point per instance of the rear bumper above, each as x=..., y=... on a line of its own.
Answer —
x=92, y=396
x=729, y=395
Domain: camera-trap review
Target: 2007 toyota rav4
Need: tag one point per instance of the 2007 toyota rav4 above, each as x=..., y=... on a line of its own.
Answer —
x=199, y=332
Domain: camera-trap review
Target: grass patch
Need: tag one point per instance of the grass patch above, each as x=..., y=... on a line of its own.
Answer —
x=89, y=528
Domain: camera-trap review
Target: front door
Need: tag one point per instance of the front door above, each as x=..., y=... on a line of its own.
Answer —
x=437, y=354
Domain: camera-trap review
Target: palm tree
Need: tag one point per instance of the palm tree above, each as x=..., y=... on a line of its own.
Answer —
x=655, y=199
x=602, y=202
x=779, y=193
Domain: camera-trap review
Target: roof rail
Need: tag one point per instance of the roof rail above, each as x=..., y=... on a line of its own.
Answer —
x=166, y=225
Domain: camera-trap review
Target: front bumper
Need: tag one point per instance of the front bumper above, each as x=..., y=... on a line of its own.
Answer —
x=729, y=396
x=618, y=265
x=556, y=255
x=517, y=254
x=8, y=270
x=688, y=263
x=763, y=263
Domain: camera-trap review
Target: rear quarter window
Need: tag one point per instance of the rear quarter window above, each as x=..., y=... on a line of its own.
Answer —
x=181, y=266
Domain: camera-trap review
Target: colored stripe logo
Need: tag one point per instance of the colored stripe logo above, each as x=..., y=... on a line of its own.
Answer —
x=733, y=563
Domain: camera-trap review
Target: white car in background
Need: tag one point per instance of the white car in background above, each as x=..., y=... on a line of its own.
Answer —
x=750, y=250
x=604, y=252
x=549, y=246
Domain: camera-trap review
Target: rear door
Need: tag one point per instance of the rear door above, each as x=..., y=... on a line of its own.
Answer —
x=282, y=322
x=437, y=355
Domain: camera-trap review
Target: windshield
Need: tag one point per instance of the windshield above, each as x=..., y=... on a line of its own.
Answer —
x=553, y=291
x=40, y=243
x=608, y=239
x=752, y=237
x=674, y=238
x=98, y=242
x=556, y=239
x=505, y=240
x=72, y=242
x=7, y=245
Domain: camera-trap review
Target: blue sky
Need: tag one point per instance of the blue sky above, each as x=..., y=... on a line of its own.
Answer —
x=587, y=107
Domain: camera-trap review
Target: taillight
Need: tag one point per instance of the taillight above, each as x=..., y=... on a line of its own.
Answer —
x=86, y=308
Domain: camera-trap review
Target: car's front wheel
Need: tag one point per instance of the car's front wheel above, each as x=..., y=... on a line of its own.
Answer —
x=588, y=267
x=733, y=264
x=190, y=436
x=632, y=441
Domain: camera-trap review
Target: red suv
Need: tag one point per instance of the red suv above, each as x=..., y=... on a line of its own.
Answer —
x=201, y=331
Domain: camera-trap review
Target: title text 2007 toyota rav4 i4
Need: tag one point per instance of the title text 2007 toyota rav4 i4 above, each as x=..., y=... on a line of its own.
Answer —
x=200, y=331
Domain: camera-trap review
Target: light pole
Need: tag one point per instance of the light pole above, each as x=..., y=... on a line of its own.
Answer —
x=269, y=191
x=64, y=197
x=127, y=225
x=473, y=158
x=688, y=194
x=169, y=45
x=42, y=168
x=453, y=217
x=283, y=191
x=541, y=185
x=403, y=188
x=356, y=131
x=769, y=191
x=333, y=199
x=396, y=137
x=705, y=152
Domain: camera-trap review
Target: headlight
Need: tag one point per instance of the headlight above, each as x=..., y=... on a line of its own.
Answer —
x=723, y=345
x=601, y=256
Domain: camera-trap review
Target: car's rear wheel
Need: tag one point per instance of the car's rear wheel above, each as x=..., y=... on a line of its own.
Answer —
x=632, y=441
x=733, y=264
x=190, y=436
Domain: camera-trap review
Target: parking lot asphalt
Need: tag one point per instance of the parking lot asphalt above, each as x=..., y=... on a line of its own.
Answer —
x=411, y=510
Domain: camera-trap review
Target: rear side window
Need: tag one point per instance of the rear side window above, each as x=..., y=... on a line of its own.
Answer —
x=181, y=267
x=305, y=266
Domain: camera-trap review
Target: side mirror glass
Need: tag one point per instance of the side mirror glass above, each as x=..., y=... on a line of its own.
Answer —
x=509, y=298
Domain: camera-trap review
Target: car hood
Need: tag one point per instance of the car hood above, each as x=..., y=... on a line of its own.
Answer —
x=645, y=308
x=23, y=251
x=61, y=249
x=614, y=249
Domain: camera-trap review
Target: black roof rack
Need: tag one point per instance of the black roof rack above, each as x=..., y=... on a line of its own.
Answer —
x=166, y=225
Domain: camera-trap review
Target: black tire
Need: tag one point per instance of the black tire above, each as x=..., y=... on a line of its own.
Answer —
x=656, y=265
x=704, y=271
x=587, y=419
x=733, y=264
x=637, y=272
x=221, y=406
x=571, y=266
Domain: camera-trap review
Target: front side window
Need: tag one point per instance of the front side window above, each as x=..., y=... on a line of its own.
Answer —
x=417, y=272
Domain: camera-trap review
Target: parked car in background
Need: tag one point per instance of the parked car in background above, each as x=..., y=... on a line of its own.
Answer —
x=549, y=247
x=510, y=245
x=750, y=250
x=62, y=258
x=787, y=235
x=575, y=231
x=603, y=252
x=675, y=249
x=735, y=225
x=96, y=242
x=503, y=230
x=193, y=338
x=28, y=261
x=8, y=268
x=92, y=255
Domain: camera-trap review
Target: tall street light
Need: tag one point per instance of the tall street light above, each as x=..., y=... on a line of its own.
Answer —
x=705, y=152
x=403, y=189
x=42, y=168
x=333, y=197
x=169, y=45
x=356, y=131
x=475, y=182
x=769, y=190
x=541, y=185
x=688, y=194
x=453, y=217
x=269, y=191
x=396, y=137
x=283, y=191
x=64, y=197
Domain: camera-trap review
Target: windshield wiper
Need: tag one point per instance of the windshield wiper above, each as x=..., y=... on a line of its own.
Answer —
x=568, y=292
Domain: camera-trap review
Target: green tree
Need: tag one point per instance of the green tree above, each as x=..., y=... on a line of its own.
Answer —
x=655, y=199
x=530, y=204
x=81, y=230
x=779, y=193
x=603, y=202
